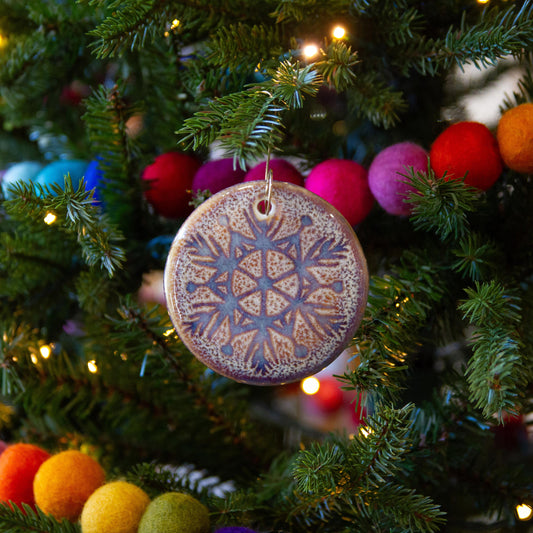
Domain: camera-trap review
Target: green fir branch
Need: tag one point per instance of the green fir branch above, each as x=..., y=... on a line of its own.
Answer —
x=476, y=257
x=440, y=205
x=523, y=93
x=337, y=65
x=500, y=32
x=24, y=519
x=76, y=215
x=379, y=103
x=298, y=10
x=497, y=371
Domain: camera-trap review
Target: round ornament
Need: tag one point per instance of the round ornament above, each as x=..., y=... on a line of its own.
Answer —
x=282, y=170
x=344, y=184
x=515, y=138
x=169, y=183
x=387, y=175
x=18, y=465
x=116, y=507
x=467, y=150
x=64, y=482
x=54, y=173
x=266, y=295
x=217, y=175
x=24, y=171
x=175, y=512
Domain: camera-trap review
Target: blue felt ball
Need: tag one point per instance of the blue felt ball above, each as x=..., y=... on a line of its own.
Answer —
x=55, y=172
x=24, y=171
x=93, y=179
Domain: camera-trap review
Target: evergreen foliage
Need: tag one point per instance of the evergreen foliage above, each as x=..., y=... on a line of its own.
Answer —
x=441, y=365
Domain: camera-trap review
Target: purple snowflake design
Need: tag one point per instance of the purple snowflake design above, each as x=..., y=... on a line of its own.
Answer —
x=266, y=298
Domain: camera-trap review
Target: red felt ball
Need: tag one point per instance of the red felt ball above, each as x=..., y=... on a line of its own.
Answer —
x=467, y=148
x=344, y=184
x=281, y=169
x=387, y=175
x=18, y=465
x=329, y=397
x=169, y=183
x=217, y=175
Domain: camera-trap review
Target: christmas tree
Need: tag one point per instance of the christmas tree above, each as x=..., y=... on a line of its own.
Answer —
x=110, y=111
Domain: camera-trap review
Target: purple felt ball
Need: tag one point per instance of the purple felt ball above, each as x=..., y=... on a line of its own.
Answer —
x=282, y=170
x=388, y=173
x=233, y=529
x=216, y=175
x=344, y=184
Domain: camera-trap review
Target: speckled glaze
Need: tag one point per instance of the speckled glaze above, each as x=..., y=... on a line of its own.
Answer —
x=268, y=298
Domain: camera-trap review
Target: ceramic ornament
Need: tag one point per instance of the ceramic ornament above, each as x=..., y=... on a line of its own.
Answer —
x=263, y=295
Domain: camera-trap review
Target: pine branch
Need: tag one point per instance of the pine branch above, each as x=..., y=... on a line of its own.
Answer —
x=398, y=306
x=76, y=216
x=106, y=120
x=441, y=205
x=337, y=66
x=248, y=123
x=497, y=372
x=500, y=32
x=476, y=257
x=15, y=520
x=298, y=10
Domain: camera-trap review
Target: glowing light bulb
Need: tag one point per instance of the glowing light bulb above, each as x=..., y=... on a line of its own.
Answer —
x=524, y=511
x=175, y=24
x=50, y=218
x=3, y=41
x=45, y=351
x=483, y=1
x=168, y=332
x=91, y=365
x=310, y=50
x=339, y=32
x=365, y=431
x=310, y=385
x=34, y=359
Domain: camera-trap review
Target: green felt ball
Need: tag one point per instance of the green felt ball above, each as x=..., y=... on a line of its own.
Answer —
x=175, y=512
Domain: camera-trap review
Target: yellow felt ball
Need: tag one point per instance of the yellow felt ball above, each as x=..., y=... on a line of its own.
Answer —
x=116, y=507
x=65, y=481
x=175, y=512
x=515, y=138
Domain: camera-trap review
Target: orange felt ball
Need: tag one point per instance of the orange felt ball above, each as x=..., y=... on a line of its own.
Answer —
x=467, y=148
x=515, y=138
x=64, y=482
x=18, y=466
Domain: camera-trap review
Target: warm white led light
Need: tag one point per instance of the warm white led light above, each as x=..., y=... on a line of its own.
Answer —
x=50, y=218
x=45, y=351
x=339, y=32
x=524, y=511
x=310, y=50
x=310, y=385
x=91, y=365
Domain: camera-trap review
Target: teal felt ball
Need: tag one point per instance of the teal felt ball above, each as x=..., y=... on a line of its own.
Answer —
x=175, y=512
x=54, y=173
x=24, y=171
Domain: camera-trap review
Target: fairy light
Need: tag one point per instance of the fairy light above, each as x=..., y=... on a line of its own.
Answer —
x=168, y=332
x=91, y=365
x=483, y=1
x=34, y=359
x=310, y=50
x=310, y=385
x=45, y=351
x=365, y=431
x=175, y=24
x=50, y=218
x=3, y=41
x=339, y=32
x=524, y=512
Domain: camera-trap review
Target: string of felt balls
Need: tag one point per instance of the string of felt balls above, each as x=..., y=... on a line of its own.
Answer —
x=72, y=485
x=465, y=150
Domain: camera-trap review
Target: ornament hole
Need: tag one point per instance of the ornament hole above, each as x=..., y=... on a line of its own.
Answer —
x=263, y=208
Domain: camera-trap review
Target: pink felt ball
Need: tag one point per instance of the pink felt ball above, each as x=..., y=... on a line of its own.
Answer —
x=387, y=175
x=467, y=148
x=281, y=169
x=344, y=184
x=169, y=183
x=217, y=175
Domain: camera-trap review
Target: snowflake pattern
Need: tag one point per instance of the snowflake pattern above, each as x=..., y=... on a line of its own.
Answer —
x=265, y=294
